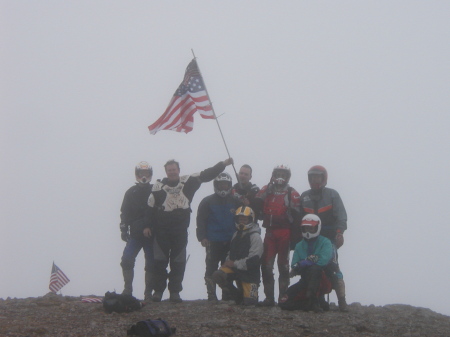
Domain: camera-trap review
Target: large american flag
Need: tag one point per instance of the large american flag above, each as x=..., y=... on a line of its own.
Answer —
x=189, y=98
x=57, y=279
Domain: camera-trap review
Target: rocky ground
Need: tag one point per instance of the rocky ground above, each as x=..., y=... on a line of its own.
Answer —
x=54, y=315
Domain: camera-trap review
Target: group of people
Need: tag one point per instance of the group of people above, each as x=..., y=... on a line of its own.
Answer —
x=156, y=217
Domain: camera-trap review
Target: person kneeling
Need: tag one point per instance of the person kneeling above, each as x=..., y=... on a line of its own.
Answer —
x=243, y=262
x=310, y=257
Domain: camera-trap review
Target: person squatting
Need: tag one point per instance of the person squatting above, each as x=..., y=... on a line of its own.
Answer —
x=311, y=223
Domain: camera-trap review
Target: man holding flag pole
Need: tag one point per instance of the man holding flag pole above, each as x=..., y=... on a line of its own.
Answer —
x=170, y=201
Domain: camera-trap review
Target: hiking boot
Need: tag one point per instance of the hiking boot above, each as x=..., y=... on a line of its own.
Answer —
x=175, y=298
x=314, y=305
x=324, y=304
x=212, y=297
x=268, y=302
x=342, y=304
x=157, y=296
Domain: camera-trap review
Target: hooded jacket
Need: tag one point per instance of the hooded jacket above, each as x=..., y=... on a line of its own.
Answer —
x=246, y=249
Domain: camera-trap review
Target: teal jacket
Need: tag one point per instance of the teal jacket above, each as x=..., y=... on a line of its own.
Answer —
x=320, y=246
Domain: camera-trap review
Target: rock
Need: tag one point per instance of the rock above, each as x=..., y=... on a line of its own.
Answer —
x=56, y=315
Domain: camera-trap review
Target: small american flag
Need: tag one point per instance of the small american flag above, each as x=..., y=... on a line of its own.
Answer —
x=57, y=279
x=91, y=300
x=189, y=98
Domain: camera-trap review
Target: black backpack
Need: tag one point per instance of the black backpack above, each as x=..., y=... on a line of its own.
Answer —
x=148, y=328
x=113, y=302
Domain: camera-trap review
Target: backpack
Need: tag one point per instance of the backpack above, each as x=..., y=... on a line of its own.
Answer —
x=147, y=328
x=113, y=302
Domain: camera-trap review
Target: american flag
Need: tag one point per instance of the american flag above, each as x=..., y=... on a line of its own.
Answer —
x=91, y=300
x=189, y=98
x=57, y=279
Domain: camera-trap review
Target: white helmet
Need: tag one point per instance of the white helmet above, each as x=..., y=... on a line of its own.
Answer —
x=311, y=226
x=223, y=177
x=247, y=212
x=279, y=180
x=143, y=172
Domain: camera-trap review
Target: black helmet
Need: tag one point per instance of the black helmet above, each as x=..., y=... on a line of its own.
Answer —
x=223, y=177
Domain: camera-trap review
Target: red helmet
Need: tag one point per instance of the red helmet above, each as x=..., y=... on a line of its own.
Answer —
x=320, y=170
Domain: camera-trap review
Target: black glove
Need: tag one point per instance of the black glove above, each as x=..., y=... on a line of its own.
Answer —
x=124, y=232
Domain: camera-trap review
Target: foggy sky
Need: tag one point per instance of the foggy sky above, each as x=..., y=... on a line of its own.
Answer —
x=358, y=87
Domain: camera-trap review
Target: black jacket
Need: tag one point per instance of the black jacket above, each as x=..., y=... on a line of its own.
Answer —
x=134, y=208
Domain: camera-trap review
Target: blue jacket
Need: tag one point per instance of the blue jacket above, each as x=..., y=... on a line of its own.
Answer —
x=320, y=246
x=215, y=218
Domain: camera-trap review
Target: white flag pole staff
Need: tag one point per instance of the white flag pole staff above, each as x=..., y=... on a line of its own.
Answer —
x=217, y=121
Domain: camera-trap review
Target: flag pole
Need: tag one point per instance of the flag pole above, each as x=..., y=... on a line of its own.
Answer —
x=217, y=121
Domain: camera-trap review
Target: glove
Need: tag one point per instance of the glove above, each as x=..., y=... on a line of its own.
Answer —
x=125, y=236
x=254, y=190
x=292, y=273
x=339, y=240
x=313, y=258
x=302, y=265
x=124, y=232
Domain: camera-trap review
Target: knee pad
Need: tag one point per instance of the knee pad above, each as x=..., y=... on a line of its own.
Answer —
x=219, y=277
x=127, y=264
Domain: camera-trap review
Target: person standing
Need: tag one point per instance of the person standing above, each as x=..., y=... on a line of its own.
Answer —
x=133, y=212
x=244, y=191
x=215, y=228
x=327, y=204
x=279, y=205
x=168, y=221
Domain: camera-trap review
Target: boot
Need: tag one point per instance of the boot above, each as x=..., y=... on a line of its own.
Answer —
x=226, y=295
x=148, y=287
x=128, y=275
x=283, y=285
x=340, y=292
x=314, y=305
x=157, y=296
x=175, y=298
x=324, y=303
x=211, y=289
x=269, y=291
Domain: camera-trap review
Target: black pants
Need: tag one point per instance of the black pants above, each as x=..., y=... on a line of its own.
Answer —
x=309, y=282
x=169, y=247
x=216, y=253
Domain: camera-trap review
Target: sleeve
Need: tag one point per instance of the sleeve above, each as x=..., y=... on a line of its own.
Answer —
x=202, y=219
x=125, y=209
x=339, y=212
x=212, y=172
x=259, y=201
x=254, y=256
x=150, y=213
x=325, y=253
x=296, y=257
x=295, y=206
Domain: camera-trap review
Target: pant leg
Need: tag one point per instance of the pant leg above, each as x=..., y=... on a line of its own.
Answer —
x=267, y=262
x=283, y=248
x=214, y=256
x=130, y=252
x=161, y=253
x=147, y=245
x=178, y=242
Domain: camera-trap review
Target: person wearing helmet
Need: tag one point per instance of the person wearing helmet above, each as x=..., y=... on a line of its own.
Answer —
x=279, y=205
x=311, y=256
x=168, y=220
x=243, y=262
x=215, y=228
x=133, y=211
x=244, y=191
x=327, y=204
